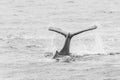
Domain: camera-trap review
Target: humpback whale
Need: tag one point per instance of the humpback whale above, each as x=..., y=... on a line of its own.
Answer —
x=68, y=36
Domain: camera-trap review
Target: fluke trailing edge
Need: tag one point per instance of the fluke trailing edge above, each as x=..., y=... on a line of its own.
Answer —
x=65, y=50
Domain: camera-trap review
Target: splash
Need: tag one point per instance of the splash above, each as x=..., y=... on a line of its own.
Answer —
x=99, y=48
x=89, y=43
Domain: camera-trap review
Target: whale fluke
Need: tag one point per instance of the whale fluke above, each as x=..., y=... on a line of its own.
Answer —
x=65, y=50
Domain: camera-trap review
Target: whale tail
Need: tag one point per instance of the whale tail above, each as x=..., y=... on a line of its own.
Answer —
x=68, y=36
x=58, y=30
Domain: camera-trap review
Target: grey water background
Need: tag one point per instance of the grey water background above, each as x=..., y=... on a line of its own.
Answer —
x=25, y=39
